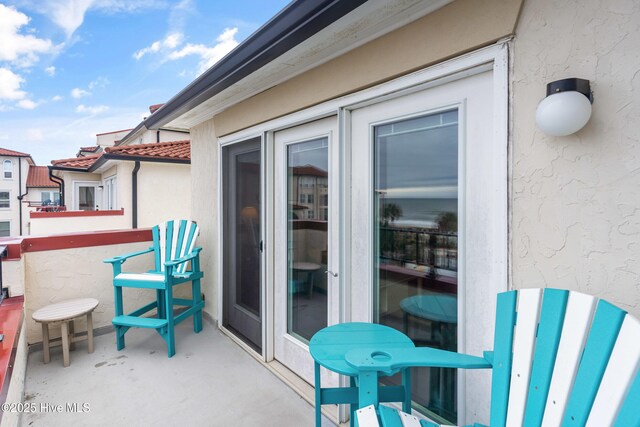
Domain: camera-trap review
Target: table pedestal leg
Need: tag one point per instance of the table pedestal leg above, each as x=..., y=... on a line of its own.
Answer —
x=72, y=344
x=90, y=332
x=318, y=393
x=45, y=342
x=65, y=343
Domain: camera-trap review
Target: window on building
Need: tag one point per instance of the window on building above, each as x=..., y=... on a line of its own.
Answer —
x=7, y=166
x=310, y=214
x=303, y=198
x=110, y=193
x=5, y=201
x=310, y=198
x=5, y=228
x=49, y=198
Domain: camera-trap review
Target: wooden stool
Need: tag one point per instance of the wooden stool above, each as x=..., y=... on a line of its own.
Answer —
x=64, y=312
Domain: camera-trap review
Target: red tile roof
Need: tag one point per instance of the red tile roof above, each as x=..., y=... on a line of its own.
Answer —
x=11, y=153
x=92, y=149
x=77, y=162
x=309, y=170
x=39, y=177
x=174, y=150
x=155, y=107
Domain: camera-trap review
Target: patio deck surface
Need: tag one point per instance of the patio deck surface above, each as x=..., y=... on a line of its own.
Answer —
x=209, y=382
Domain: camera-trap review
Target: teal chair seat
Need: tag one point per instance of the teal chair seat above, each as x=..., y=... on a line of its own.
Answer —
x=174, y=251
x=559, y=358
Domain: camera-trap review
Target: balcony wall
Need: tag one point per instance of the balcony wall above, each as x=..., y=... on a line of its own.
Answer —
x=47, y=223
x=55, y=268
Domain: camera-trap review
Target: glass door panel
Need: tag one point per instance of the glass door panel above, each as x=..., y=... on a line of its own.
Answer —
x=242, y=255
x=307, y=213
x=416, y=218
x=305, y=242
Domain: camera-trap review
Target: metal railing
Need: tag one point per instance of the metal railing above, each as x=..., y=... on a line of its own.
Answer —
x=421, y=247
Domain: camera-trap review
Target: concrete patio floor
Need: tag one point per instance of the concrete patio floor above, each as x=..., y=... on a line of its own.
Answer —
x=209, y=382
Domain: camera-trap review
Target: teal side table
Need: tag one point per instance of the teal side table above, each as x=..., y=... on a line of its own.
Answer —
x=328, y=348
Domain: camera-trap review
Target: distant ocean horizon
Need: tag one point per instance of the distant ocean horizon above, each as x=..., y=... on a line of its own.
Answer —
x=421, y=212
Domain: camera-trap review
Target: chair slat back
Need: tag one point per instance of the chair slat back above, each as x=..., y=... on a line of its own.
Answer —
x=173, y=240
x=569, y=361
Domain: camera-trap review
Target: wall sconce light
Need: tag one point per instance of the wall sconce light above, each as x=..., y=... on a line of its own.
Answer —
x=567, y=107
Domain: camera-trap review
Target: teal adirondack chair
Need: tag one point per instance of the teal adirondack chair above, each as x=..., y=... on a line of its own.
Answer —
x=559, y=358
x=174, y=248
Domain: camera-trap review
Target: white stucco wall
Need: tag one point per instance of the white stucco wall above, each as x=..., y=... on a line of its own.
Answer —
x=15, y=186
x=204, y=181
x=576, y=200
x=53, y=276
x=164, y=192
x=60, y=225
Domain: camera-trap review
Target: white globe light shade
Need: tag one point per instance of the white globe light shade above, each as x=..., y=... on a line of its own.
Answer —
x=563, y=113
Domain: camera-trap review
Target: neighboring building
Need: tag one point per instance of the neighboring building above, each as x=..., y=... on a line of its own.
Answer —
x=13, y=187
x=119, y=182
x=141, y=184
x=438, y=180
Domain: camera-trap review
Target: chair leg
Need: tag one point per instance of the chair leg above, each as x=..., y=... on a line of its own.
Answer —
x=170, y=335
x=160, y=300
x=119, y=312
x=197, y=298
x=354, y=406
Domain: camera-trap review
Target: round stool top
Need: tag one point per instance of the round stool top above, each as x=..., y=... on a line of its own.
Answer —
x=65, y=310
x=329, y=346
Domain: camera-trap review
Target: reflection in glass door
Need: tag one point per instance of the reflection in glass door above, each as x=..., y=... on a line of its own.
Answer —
x=243, y=246
x=308, y=216
x=416, y=238
x=306, y=297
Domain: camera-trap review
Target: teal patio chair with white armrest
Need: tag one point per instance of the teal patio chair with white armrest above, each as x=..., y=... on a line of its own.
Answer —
x=559, y=358
x=174, y=251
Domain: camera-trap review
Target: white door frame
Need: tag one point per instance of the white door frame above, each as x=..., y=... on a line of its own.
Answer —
x=76, y=196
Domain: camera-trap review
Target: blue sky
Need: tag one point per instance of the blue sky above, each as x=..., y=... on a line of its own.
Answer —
x=72, y=68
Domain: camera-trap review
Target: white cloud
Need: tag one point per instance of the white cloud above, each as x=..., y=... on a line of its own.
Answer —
x=56, y=98
x=34, y=135
x=208, y=55
x=100, y=82
x=10, y=85
x=69, y=14
x=171, y=41
x=20, y=49
x=51, y=71
x=97, y=109
x=78, y=93
x=27, y=104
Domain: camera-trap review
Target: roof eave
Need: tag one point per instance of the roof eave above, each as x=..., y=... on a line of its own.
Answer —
x=292, y=26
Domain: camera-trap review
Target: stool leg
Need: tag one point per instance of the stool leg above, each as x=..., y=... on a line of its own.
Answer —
x=90, y=332
x=318, y=393
x=65, y=343
x=45, y=342
x=72, y=344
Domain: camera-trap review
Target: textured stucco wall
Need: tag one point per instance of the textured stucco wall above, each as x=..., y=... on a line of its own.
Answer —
x=204, y=206
x=53, y=276
x=576, y=200
x=164, y=192
x=51, y=226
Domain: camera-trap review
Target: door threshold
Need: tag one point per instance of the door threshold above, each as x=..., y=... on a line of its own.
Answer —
x=297, y=384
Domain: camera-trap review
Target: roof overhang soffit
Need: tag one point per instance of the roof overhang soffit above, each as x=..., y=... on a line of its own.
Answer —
x=336, y=28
